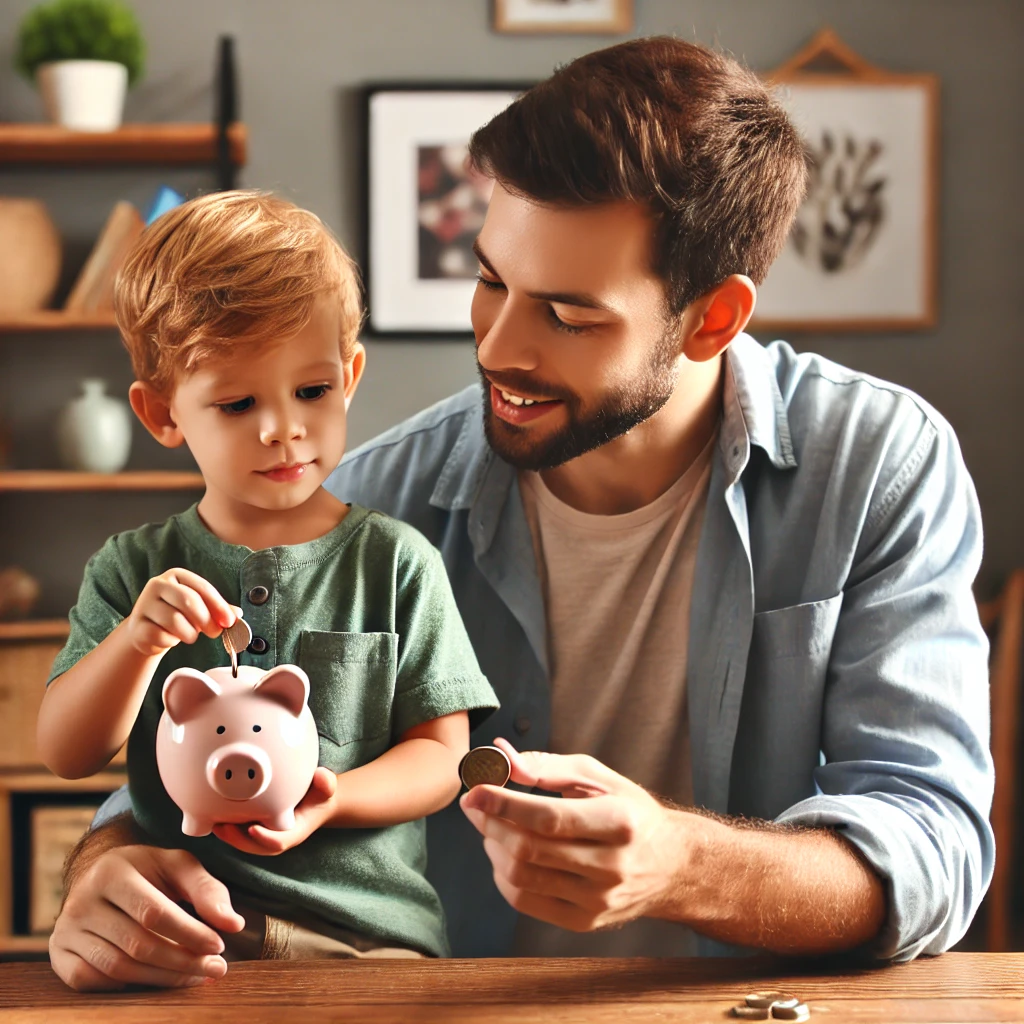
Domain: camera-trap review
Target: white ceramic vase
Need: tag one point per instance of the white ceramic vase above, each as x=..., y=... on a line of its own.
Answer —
x=94, y=431
x=86, y=95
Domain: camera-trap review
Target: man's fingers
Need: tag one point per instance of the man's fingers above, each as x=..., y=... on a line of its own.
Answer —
x=587, y=859
x=77, y=974
x=149, y=948
x=208, y=896
x=569, y=774
x=113, y=963
x=599, y=820
x=565, y=886
x=544, y=908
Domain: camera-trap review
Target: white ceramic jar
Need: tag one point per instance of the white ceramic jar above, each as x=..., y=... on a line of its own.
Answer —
x=94, y=431
x=86, y=95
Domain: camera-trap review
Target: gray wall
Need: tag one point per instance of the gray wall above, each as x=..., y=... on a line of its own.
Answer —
x=301, y=64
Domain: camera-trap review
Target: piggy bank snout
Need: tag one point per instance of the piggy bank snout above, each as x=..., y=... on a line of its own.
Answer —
x=238, y=771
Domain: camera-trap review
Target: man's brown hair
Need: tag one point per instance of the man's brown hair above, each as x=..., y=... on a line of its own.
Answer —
x=686, y=132
x=230, y=267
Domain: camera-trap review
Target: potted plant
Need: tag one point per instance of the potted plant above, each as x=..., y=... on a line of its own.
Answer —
x=83, y=54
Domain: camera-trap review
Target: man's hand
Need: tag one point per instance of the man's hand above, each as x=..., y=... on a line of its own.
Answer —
x=121, y=924
x=583, y=864
x=316, y=808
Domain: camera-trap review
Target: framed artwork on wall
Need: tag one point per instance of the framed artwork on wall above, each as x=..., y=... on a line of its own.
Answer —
x=424, y=205
x=862, y=254
x=614, y=17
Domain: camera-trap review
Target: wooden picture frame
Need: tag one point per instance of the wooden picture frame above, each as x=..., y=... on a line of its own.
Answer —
x=422, y=206
x=580, y=17
x=862, y=255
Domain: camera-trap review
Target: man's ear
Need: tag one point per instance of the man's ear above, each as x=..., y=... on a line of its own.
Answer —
x=354, y=372
x=715, y=319
x=154, y=412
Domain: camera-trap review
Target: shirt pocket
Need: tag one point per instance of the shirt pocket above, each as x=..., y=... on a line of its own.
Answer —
x=778, y=741
x=351, y=693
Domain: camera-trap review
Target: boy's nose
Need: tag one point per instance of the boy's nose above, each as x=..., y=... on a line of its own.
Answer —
x=281, y=429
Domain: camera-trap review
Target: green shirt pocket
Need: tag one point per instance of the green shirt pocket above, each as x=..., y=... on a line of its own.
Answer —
x=351, y=693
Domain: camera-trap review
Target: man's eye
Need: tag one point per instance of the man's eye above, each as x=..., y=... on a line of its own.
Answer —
x=234, y=408
x=494, y=286
x=561, y=325
x=313, y=392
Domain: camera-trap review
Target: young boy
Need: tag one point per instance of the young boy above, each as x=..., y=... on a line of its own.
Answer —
x=241, y=315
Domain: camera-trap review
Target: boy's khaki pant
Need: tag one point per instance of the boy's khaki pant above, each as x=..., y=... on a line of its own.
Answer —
x=266, y=937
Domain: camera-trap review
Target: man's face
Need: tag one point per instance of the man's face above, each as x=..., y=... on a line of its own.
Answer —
x=267, y=424
x=573, y=341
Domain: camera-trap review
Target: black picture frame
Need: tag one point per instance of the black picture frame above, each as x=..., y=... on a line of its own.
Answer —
x=409, y=293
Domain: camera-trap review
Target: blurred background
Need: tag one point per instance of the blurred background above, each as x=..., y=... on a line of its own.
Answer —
x=301, y=70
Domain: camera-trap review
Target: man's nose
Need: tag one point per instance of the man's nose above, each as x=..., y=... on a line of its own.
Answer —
x=281, y=425
x=507, y=342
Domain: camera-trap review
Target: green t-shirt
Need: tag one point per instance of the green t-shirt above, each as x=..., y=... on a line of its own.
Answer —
x=368, y=613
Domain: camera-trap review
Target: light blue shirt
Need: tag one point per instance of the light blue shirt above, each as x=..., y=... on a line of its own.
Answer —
x=837, y=673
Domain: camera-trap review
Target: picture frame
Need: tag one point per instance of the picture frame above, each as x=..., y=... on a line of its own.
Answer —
x=862, y=255
x=581, y=17
x=422, y=206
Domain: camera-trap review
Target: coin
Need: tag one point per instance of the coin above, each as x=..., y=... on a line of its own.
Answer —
x=235, y=640
x=768, y=1000
x=485, y=766
x=781, y=1011
x=745, y=1012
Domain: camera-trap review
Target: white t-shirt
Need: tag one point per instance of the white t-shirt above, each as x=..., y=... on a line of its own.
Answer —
x=617, y=603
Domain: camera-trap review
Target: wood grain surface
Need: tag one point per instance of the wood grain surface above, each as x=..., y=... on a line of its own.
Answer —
x=954, y=987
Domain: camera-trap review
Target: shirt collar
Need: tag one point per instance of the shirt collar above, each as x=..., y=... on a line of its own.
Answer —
x=754, y=414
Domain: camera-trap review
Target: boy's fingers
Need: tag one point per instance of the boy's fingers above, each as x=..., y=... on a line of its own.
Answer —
x=223, y=613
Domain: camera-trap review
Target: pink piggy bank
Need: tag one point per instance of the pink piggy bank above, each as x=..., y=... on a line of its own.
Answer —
x=236, y=749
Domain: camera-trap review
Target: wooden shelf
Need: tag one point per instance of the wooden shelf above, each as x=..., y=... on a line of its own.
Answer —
x=42, y=781
x=55, y=320
x=135, y=480
x=130, y=144
x=35, y=629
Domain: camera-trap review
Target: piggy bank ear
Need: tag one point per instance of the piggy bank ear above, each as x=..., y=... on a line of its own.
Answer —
x=286, y=685
x=185, y=692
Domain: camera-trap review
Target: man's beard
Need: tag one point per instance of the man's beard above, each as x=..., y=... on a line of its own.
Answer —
x=620, y=412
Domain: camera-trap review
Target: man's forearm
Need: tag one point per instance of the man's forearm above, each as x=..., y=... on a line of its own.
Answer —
x=798, y=891
x=119, y=831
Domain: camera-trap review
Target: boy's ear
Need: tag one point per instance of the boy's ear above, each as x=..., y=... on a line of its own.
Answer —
x=154, y=412
x=716, y=318
x=354, y=372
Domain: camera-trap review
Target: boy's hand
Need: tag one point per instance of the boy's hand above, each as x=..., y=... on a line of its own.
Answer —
x=175, y=607
x=314, y=811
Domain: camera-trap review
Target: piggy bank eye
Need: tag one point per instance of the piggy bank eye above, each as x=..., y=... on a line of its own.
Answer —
x=256, y=728
x=220, y=729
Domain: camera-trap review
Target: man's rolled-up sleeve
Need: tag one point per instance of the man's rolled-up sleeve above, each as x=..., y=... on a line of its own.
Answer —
x=908, y=776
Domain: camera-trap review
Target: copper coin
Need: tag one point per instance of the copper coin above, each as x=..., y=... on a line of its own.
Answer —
x=235, y=640
x=768, y=1000
x=745, y=1012
x=485, y=766
x=782, y=1011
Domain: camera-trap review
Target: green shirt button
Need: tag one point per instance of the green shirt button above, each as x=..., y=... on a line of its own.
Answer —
x=258, y=595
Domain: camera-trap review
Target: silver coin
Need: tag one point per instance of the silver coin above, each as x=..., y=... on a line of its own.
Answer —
x=768, y=1000
x=236, y=638
x=482, y=766
x=745, y=1012
x=782, y=1011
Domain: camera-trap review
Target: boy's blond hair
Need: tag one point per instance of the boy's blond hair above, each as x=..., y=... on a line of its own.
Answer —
x=228, y=267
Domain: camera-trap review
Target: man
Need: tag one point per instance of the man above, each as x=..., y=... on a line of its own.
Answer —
x=727, y=588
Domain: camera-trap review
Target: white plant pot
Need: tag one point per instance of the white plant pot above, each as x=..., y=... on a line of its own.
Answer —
x=86, y=95
x=94, y=431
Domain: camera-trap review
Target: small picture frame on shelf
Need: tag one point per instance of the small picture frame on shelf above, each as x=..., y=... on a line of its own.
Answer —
x=862, y=253
x=424, y=205
x=580, y=17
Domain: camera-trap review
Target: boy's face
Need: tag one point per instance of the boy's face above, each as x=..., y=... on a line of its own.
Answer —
x=569, y=312
x=267, y=424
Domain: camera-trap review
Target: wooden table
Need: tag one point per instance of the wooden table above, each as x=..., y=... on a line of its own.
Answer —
x=954, y=987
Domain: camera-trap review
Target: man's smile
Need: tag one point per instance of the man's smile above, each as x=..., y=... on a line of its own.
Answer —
x=518, y=409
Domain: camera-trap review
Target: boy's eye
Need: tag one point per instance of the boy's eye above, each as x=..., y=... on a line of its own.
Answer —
x=234, y=408
x=313, y=392
x=494, y=286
